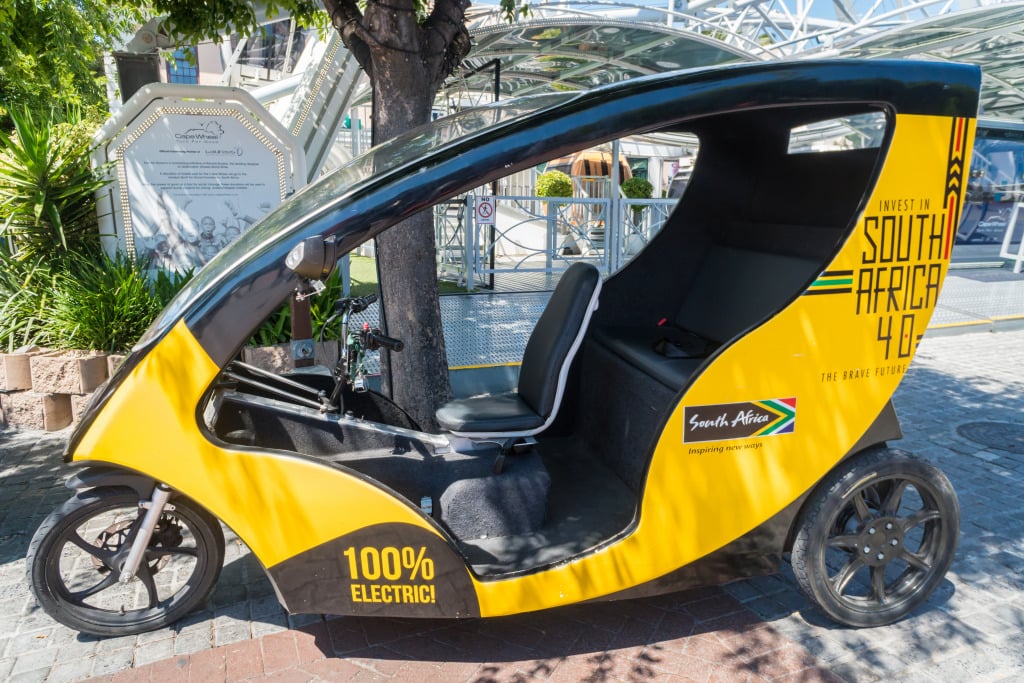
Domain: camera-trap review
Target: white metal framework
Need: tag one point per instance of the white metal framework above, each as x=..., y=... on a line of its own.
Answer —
x=572, y=45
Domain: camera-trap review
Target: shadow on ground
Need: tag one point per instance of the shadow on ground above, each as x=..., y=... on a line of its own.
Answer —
x=761, y=627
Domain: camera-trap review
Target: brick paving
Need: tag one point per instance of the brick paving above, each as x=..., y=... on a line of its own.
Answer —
x=756, y=630
x=663, y=640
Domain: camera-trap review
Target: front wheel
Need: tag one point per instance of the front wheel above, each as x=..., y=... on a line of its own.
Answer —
x=75, y=556
x=876, y=537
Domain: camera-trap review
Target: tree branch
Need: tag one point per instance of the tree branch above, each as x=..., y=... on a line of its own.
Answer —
x=346, y=18
x=446, y=19
x=392, y=25
x=446, y=38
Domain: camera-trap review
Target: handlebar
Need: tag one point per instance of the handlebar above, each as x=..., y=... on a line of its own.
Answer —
x=356, y=304
x=376, y=340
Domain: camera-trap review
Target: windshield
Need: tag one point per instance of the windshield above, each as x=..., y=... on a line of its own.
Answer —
x=324, y=195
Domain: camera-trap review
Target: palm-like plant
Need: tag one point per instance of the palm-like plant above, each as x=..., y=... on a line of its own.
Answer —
x=47, y=188
x=100, y=303
x=26, y=290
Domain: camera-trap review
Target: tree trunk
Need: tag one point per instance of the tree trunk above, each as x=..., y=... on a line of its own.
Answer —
x=417, y=378
x=407, y=61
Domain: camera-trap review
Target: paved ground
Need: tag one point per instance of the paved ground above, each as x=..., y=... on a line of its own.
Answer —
x=748, y=631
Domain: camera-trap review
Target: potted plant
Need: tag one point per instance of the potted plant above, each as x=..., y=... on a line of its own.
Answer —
x=554, y=184
x=636, y=188
x=557, y=184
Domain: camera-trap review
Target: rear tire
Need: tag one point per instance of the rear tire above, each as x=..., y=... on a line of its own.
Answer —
x=74, y=557
x=876, y=537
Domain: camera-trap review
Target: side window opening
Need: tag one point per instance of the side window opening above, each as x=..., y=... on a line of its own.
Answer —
x=841, y=134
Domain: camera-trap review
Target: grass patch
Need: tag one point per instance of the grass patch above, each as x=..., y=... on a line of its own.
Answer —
x=363, y=275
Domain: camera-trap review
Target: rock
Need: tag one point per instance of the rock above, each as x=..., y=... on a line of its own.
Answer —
x=78, y=404
x=68, y=372
x=114, y=361
x=276, y=358
x=34, y=410
x=15, y=369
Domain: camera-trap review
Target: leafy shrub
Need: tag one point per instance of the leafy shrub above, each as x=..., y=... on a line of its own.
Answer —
x=81, y=301
x=165, y=285
x=51, y=52
x=277, y=329
x=47, y=188
x=26, y=288
x=105, y=303
x=554, y=184
x=637, y=188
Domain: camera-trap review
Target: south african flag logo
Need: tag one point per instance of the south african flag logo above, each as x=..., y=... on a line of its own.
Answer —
x=785, y=422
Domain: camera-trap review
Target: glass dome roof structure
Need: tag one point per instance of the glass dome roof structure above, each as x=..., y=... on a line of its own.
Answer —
x=570, y=53
x=992, y=37
x=570, y=46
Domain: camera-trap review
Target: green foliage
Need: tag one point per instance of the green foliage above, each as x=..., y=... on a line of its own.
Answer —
x=362, y=279
x=47, y=188
x=637, y=188
x=165, y=285
x=192, y=22
x=51, y=52
x=513, y=10
x=277, y=329
x=554, y=184
x=26, y=288
x=81, y=301
x=105, y=303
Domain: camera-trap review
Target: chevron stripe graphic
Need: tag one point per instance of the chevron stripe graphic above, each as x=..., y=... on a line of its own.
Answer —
x=954, y=178
x=786, y=419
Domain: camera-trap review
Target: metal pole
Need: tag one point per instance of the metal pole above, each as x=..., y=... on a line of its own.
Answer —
x=471, y=260
x=496, y=65
x=614, y=225
x=552, y=220
x=494, y=183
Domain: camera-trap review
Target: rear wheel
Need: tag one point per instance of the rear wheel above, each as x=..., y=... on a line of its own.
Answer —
x=75, y=556
x=876, y=537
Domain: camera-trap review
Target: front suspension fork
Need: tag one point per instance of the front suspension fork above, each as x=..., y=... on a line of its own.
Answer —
x=154, y=508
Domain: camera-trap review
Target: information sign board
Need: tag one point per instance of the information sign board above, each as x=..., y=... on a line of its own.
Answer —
x=191, y=175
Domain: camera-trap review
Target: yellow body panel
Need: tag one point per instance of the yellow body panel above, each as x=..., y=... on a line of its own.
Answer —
x=280, y=505
x=823, y=352
x=699, y=497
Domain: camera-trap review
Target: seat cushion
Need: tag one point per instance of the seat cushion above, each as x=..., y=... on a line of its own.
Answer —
x=556, y=338
x=636, y=346
x=493, y=414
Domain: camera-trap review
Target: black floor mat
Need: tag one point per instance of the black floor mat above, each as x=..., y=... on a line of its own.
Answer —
x=587, y=504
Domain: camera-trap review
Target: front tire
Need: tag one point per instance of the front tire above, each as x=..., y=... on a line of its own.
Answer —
x=876, y=537
x=75, y=556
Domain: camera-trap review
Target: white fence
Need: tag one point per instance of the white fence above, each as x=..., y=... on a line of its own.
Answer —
x=532, y=236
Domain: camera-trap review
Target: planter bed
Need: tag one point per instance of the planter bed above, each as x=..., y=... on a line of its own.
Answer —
x=48, y=390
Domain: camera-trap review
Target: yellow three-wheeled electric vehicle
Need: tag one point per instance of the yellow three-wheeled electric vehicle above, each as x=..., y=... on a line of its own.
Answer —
x=720, y=401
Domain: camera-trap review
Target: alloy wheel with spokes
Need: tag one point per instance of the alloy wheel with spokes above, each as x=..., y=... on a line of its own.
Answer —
x=75, y=557
x=876, y=537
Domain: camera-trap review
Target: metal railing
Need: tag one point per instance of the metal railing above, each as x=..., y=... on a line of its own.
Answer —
x=1009, y=237
x=531, y=236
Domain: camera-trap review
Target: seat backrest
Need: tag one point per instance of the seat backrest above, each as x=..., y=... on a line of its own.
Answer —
x=736, y=288
x=557, y=337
